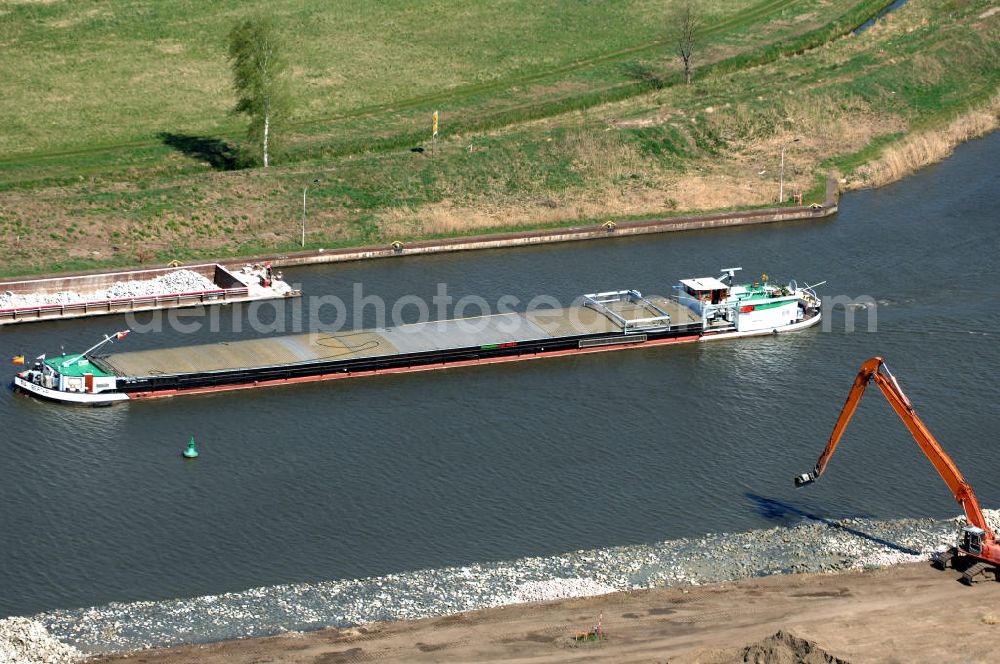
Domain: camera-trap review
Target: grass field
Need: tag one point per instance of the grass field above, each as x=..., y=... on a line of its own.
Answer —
x=118, y=72
x=120, y=147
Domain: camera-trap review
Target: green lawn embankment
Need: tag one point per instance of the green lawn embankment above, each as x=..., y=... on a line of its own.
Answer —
x=549, y=115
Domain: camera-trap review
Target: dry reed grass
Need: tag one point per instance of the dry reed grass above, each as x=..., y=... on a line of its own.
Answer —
x=686, y=193
x=605, y=156
x=748, y=172
x=447, y=217
x=926, y=147
x=605, y=161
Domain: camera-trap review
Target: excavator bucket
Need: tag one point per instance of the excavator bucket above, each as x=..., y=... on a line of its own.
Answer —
x=804, y=479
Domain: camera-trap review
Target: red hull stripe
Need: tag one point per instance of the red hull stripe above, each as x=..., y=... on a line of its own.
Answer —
x=425, y=367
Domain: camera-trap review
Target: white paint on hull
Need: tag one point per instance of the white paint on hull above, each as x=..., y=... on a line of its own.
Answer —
x=794, y=327
x=82, y=398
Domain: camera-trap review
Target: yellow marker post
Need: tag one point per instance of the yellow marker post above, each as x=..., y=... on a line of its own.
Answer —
x=434, y=131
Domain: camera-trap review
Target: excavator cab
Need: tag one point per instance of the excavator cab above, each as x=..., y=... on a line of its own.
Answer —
x=971, y=540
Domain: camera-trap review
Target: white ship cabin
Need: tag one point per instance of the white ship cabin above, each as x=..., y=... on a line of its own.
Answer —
x=740, y=307
x=706, y=289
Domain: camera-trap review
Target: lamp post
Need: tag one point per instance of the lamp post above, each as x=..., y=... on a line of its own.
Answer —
x=304, y=190
x=781, y=174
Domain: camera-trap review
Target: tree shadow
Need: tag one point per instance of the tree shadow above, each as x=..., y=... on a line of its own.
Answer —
x=220, y=155
x=776, y=509
x=644, y=74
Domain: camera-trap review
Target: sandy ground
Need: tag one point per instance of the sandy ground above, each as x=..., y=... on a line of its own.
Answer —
x=907, y=613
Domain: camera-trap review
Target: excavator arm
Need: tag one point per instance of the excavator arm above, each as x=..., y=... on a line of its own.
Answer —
x=875, y=370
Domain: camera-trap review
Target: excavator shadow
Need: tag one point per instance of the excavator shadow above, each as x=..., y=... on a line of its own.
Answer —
x=777, y=510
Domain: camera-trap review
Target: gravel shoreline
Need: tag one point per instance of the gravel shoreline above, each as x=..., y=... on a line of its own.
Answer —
x=26, y=641
x=810, y=546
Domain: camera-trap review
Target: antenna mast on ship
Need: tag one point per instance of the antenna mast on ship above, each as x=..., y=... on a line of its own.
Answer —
x=112, y=338
x=729, y=273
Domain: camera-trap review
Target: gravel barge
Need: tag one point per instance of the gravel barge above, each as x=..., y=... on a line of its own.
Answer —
x=59, y=298
x=702, y=309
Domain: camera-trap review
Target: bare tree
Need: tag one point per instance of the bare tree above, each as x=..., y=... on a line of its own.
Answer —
x=685, y=27
x=255, y=53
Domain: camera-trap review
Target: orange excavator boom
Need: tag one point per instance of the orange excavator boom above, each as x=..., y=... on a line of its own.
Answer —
x=875, y=370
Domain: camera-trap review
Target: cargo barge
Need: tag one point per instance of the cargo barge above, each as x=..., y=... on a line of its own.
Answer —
x=59, y=298
x=702, y=309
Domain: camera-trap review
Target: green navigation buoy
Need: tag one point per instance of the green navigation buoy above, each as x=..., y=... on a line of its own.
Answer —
x=190, y=452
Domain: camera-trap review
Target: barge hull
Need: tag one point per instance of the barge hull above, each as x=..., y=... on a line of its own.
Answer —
x=73, y=398
x=430, y=366
x=404, y=363
x=398, y=361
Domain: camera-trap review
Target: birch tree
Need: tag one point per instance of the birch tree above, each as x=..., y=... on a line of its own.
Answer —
x=259, y=66
x=685, y=25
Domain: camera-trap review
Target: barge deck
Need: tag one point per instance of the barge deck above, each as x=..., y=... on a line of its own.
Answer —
x=480, y=333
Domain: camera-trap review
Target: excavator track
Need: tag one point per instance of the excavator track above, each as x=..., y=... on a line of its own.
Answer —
x=978, y=569
x=942, y=559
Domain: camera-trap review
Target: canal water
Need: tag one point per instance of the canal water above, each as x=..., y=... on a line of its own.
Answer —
x=376, y=476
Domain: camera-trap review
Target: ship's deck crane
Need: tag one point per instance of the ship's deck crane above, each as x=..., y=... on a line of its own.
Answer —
x=976, y=540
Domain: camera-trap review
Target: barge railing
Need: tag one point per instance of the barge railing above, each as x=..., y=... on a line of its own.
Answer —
x=599, y=302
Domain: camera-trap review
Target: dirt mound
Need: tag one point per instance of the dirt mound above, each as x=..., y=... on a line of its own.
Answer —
x=785, y=648
x=779, y=648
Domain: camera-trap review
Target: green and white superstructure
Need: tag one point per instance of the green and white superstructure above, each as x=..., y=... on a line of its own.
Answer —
x=729, y=309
